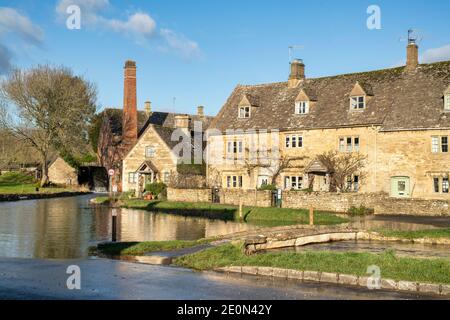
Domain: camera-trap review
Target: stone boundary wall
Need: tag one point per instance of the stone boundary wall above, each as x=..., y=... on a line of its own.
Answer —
x=189, y=195
x=335, y=202
x=381, y=203
x=249, y=198
x=340, y=279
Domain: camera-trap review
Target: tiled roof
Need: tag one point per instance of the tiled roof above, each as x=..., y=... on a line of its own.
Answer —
x=163, y=119
x=399, y=100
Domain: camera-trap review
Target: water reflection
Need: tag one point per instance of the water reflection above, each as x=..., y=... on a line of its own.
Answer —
x=65, y=228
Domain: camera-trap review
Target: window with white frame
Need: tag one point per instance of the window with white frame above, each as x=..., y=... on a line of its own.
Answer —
x=244, y=112
x=294, y=141
x=447, y=102
x=357, y=102
x=301, y=107
x=439, y=144
x=166, y=176
x=353, y=183
x=293, y=182
x=445, y=185
x=349, y=144
x=149, y=152
x=234, y=182
x=235, y=147
x=132, y=177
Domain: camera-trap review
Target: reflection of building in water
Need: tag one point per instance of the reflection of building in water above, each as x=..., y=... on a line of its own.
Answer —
x=137, y=225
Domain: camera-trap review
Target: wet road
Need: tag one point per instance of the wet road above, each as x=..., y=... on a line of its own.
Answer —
x=110, y=279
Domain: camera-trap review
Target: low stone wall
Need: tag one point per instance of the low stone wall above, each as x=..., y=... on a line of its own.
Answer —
x=250, y=198
x=189, y=195
x=381, y=203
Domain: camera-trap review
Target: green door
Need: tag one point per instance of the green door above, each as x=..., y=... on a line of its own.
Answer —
x=400, y=187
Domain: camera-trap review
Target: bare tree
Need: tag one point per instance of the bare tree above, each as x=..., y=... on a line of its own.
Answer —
x=49, y=108
x=342, y=166
x=270, y=160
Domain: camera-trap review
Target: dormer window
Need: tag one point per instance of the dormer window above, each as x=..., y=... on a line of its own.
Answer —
x=357, y=102
x=447, y=102
x=301, y=107
x=244, y=112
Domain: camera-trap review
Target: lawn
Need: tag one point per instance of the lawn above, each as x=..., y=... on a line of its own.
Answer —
x=20, y=183
x=392, y=267
x=140, y=248
x=417, y=234
x=254, y=215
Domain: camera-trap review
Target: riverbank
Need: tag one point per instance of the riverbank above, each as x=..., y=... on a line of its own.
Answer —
x=269, y=217
x=350, y=263
x=43, y=195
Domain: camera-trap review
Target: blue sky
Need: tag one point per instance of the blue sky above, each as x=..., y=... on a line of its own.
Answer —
x=199, y=50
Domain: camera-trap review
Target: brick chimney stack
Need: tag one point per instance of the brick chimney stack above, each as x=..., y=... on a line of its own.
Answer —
x=412, y=56
x=297, y=73
x=129, y=125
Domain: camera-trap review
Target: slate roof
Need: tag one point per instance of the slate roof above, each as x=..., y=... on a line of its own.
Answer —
x=163, y=119
x=399, y=100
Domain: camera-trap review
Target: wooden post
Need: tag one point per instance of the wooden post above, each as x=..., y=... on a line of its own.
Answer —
x=240, y=209
x=311, y=216
x=114, y=225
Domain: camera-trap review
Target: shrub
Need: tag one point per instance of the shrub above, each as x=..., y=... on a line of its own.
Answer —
x=156, y=188
x=359, y=211
x=15, y=178
x=270, y=187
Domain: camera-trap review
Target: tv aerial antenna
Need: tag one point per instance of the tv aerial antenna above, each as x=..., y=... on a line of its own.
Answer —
x=292, y=50
x=413, y=37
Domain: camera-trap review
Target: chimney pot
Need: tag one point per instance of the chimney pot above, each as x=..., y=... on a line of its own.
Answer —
x=201, y=111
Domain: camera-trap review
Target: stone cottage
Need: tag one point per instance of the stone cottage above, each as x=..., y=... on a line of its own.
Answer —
x=62, y=173
x=398, y=118
x=149, y=131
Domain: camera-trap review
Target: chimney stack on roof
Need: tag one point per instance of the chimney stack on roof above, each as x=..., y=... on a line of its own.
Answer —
x=182, y=122
x=201, y=111
x=412, y=55
x=297, y=73
x=129, y=125
x=148, y=108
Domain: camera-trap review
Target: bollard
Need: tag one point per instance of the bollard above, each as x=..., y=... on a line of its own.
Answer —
x=311, y=216
x=240, y=210
x=114, y=226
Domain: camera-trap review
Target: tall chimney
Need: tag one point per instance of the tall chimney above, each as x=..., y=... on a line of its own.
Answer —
x=148, y=108
x=412, y=55
x=297, y=73
x=129, y=125
x=201, y=111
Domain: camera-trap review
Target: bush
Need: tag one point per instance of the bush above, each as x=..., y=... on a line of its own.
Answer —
x=15, y=178
x=359, y=211
x=269, y=187
x=156, y=188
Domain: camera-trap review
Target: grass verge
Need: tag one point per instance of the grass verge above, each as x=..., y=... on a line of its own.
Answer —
x=417, y=234
x=392, y=267
x=254, y=215
x=140, y=248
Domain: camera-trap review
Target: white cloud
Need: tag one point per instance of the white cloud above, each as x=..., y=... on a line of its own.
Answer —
x=15, y=26
x=188, y=49
x=436, y=54
x=13, y=22
x=5, y=59
x=140, y=26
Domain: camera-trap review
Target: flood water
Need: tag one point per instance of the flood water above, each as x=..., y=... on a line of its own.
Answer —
x=65, y=228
